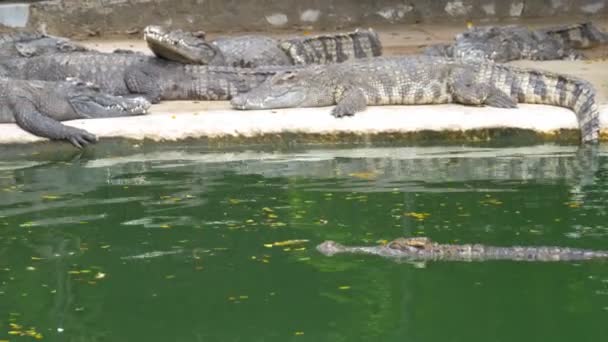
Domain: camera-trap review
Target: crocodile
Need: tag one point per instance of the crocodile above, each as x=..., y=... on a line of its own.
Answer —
x=512, y=42
x=423, y=80
x=424, y=249
x=254, y=50
x=28, y=44
x=38, y=106
x=132, y=73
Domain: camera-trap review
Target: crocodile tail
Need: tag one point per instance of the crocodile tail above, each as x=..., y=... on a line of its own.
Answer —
x=332, y=48
x=540, y=87
x=578, y=36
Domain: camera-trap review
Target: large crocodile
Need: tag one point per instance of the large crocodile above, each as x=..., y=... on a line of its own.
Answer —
x=29, y=44
x=128, y=73
x=38, y=106
x=424, y=249
x=423, y=80
x=512, y=42
x=253, y=50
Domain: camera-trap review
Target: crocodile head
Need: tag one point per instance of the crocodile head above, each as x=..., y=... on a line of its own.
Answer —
x=288, y=89
x=330, y=248
x=182, y=46
x=88, y=102
x=47, y=45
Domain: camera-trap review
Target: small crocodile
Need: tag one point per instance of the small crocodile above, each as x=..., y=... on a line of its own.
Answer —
x=252, y=51
x=423, y=80
x=424, y=249
x=512, y=42
x=28, y=44
x=133, y=73
x=38, y=106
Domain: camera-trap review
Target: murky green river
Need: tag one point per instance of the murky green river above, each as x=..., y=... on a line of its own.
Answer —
x=177, y=243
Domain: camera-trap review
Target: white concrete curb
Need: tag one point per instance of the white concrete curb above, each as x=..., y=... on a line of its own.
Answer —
x=165, y=126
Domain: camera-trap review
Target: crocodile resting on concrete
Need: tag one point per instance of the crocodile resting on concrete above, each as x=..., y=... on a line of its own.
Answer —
x=424, y=249
x=131, y=73
x=38, y=106
x=507, y=43
x=253, y=51
x=29, y=44
x=423, y=80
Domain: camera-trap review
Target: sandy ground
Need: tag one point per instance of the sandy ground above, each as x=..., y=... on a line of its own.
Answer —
x=175, y=120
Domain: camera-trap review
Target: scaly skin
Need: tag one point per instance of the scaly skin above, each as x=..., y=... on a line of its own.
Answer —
x=38, y=106
x=29, y=44
x=423, y=249
x=423, y=80
x=254, y=51
x=153, y=78
x=507, y=43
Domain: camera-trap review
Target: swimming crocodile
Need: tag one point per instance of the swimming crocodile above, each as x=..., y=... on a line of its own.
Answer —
x=423, y=80
x=38, y=106
x=424, y=249
x=131, y=73
x=252, y=51
x=28, y=44
x=512, y=42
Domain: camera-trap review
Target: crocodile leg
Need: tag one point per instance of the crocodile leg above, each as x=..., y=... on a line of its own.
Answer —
x=144, y=82
x=466, y=90
x=31, y=120
x=352, y=101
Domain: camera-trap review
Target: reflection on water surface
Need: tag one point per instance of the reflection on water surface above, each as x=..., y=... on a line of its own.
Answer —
x=183, y=244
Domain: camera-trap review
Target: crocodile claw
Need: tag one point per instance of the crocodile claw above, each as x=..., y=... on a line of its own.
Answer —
x=80, y=138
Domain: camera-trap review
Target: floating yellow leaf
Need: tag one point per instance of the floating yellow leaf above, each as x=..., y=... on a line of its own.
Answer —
x=344, y=287
x=417, y=216
x=267, y=210
x=289, y=242
x=268, y=245
x=490, y=200
x=363, y=175
x=574, y=204
x=165, y=226
x=299, y=333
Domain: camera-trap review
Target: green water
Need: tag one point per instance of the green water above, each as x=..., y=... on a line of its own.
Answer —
x=176, y=244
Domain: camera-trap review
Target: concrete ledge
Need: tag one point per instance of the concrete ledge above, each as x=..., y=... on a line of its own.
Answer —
x=200, y=122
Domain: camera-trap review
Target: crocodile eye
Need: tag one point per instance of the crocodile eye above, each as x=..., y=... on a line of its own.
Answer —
x=284, y=78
